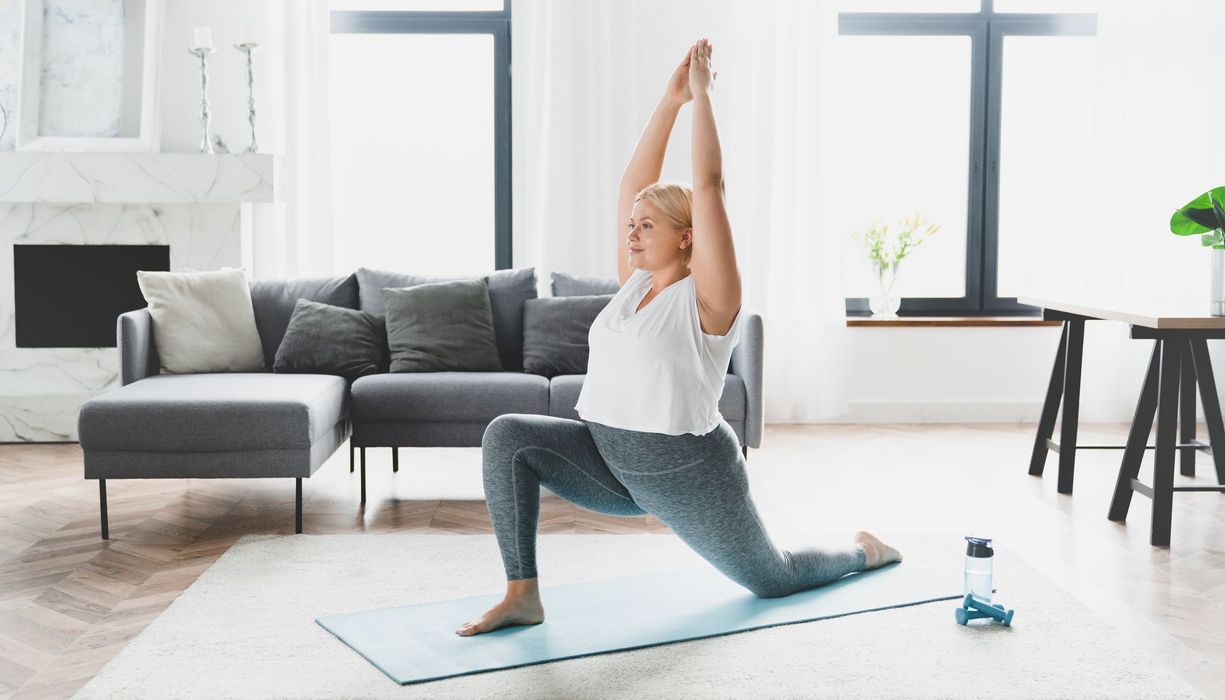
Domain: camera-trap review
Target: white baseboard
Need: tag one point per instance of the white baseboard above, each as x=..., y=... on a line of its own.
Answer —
x=945, y=412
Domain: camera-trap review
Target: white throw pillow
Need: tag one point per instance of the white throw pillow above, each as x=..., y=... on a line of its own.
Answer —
x=203, y=321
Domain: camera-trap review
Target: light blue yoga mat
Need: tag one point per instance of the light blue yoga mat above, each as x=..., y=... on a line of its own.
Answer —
x=415, y=643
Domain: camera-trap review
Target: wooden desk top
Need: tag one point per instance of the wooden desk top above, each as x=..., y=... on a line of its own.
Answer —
x=1160, y=312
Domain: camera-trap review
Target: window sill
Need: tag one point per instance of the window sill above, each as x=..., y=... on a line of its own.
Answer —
x=949, y=322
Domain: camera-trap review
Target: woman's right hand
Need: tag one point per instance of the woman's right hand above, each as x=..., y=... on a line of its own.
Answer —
x=678, y=85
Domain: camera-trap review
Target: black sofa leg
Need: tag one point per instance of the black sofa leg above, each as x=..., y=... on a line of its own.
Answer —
x=395, y=459
x=745, y=450
x=297, y=519
x=106, y=534
x=363, y=461
x=350, y=456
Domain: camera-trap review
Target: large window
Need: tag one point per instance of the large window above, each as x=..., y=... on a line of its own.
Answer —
x=978, y=114
x=420, y=135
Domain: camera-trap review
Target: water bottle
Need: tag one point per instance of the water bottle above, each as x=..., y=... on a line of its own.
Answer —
x=979, y=558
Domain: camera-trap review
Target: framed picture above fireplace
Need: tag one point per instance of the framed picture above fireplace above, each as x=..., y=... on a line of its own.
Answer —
x=89, y=76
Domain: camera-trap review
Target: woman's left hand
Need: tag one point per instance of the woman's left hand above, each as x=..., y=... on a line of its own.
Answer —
x=701, y=79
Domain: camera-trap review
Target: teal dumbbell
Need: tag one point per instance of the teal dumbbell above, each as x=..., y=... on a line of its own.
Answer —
x=972, y=609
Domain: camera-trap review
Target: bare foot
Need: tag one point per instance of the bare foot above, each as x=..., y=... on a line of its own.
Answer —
x=878, y=553
x=521, y=606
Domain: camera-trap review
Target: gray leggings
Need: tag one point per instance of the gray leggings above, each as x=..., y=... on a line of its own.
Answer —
x=696, y=484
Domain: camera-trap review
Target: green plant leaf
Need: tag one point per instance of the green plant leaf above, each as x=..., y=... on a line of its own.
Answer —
x=1189, y=221
x=1217, y=210
x=1198, y=215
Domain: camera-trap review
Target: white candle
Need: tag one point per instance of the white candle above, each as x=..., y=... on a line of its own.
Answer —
x=246, y=34
x=202, y=38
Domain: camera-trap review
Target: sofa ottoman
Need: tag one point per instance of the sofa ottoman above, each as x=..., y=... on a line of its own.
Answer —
x=218, y=425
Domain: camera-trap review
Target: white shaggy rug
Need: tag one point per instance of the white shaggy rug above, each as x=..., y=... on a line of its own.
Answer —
x=246, y=629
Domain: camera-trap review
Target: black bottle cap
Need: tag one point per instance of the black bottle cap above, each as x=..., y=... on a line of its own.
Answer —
x=979, y=547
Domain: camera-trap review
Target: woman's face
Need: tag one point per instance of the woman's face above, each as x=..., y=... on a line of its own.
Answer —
x=652, y=242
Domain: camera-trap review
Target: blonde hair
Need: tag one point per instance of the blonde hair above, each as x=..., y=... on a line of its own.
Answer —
x=675, y=200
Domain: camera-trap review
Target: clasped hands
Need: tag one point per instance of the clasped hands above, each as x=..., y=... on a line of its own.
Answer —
x=693, y=76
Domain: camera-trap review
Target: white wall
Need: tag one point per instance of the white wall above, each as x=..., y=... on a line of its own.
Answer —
x=932, y=375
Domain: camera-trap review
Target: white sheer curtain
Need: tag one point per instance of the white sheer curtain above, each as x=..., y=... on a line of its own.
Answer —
x=587, y=76
x=1160, y=141
x=300, y=244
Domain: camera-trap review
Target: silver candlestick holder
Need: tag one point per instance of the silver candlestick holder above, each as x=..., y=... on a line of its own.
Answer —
x=248, y=49
x=206, y=143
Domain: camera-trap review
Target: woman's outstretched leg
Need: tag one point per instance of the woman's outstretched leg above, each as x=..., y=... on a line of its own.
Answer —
x=520, y=453
x=697, y=485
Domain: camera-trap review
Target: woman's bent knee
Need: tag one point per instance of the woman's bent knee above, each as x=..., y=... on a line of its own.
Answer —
x=500, y=427
x=768, y=589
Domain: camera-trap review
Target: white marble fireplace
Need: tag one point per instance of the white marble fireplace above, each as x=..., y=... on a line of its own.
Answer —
x=197, y=204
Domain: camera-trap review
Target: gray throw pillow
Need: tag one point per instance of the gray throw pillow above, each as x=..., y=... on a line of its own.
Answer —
x=508, y=289
x=555, y=333
x=273, y=301
x=326, y=339
x=441, y=327
x=565, y=284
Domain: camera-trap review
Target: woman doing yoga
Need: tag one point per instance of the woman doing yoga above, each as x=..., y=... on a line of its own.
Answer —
x=651, y=438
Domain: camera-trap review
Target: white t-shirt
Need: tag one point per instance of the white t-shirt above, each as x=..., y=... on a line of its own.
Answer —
x=656, y=370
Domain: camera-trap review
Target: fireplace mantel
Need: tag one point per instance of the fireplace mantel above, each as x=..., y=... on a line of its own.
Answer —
x=202, y=207
x=137, y=178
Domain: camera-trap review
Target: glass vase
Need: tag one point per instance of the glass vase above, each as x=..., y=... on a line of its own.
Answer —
x=885, y=304
x=1216, y=300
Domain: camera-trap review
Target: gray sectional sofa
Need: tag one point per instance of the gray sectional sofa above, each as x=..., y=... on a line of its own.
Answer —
x=246, y=425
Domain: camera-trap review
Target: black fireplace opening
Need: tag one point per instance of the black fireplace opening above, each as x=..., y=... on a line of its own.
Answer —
x=68, y=296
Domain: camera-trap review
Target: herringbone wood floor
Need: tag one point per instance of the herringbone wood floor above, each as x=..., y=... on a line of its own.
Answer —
x=70, y=601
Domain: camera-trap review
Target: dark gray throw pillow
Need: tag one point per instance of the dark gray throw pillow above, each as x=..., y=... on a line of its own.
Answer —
x=508, y=289
x=326, y=339
x=564, y=284
x=442, y=327
x=555, y=333
x=273, y=302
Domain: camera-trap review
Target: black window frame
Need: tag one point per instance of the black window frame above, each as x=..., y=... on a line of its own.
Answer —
x=496, y=23
x=986, y=29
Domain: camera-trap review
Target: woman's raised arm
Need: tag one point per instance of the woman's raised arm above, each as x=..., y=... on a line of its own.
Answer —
x=648, y=159
x=716, y=279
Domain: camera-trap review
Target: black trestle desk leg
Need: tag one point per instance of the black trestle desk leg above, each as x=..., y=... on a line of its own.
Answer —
x=1186, y=411
x=1212, y=405
x=1050, y=407
x=1167, y=424
x=1137, y=438
x=1071, y=405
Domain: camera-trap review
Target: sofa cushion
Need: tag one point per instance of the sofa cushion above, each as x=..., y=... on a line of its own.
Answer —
x=214, y=412
x=448, y=396
x=555, y=331
x=564, y=390
x=565, y=284
x=508, y=289
x=273, y=301
x=326, y=339
x=202, y=321
x=441, y=327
